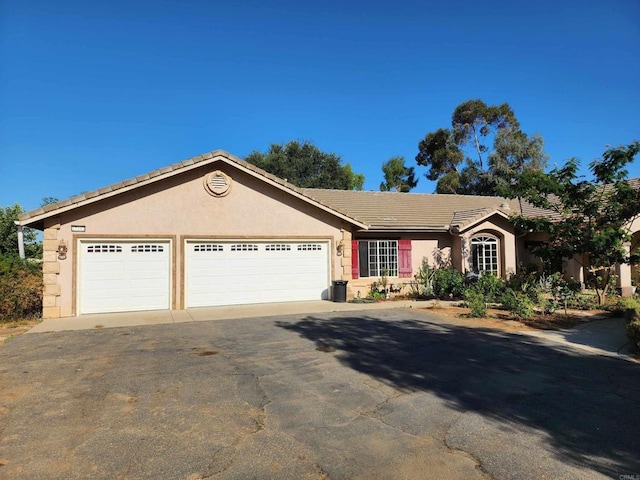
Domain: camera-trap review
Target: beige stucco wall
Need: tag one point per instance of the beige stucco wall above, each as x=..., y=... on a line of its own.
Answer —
x=180, y=207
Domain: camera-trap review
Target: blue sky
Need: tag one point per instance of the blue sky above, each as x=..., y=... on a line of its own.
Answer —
x=94, y=92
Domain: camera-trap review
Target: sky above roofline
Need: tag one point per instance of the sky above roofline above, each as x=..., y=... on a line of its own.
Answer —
x=96, y=92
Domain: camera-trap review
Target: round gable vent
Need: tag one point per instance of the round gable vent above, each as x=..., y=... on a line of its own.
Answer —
x=217, y=183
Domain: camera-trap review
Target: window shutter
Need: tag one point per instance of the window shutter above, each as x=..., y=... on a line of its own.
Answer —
x=404, y=258
x=354, y=260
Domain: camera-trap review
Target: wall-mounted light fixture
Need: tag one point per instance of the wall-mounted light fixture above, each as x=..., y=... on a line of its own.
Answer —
x=62, y=250
x=339, y=248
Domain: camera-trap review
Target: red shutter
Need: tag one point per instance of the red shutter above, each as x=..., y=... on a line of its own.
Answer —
x=355, y=270
x=404, y=258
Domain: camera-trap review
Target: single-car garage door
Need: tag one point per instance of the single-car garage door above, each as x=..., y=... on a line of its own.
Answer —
x=124, y=276
x=231, y=273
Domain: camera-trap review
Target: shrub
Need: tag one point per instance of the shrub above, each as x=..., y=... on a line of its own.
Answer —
x=519, y=304
x=475, y=301
x=628, y=307
x=491, y=286
x=448, y=282
x=20, y=288
x=583, y=302
x=527, y=281
x=424, y=279
x=562, y=291
x=633, y=332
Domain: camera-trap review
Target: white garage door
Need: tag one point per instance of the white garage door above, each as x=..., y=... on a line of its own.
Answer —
x=118, y=276
x=231, y=273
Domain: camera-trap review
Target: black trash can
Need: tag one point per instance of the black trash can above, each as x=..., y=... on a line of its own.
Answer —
x=340, y=291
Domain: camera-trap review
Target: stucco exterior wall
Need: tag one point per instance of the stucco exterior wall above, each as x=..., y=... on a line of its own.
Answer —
x=180, y=207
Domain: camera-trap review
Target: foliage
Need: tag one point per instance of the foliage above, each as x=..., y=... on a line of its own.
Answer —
x=527, y=281
x=9, y=234
x=20, y=288
x=424, y=278
x=305, y=166
x=561, y=291
x=592, y=218
x=583, y=302
x=491, y=287
x=519, y=304
x=476, y=302
x=448, y=282
x=633, y=332
x=460, y=157
x=397, y=177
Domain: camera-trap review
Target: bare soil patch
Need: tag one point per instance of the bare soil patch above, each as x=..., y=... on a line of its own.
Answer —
x=502, y=319
x=15, y=327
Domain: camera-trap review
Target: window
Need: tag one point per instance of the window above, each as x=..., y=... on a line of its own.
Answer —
x=148, y=248
x=378, y=257
x=244, y=247
x=104, y=249
x=278, y=248
x=207, y=247
x=484, y=254
x=309, y=246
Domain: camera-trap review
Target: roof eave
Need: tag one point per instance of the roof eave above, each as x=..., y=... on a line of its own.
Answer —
x=408, y=229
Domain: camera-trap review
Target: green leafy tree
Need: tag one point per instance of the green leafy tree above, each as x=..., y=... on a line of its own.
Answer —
x=397, y=177
x=48, y=201
x=9, y=234
x=483, y=150
x=592, y=218
x=306, y=166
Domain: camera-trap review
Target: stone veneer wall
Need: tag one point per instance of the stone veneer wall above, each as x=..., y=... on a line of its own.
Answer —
x=51, y=270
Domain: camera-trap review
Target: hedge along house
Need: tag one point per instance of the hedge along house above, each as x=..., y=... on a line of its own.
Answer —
x=215, y=230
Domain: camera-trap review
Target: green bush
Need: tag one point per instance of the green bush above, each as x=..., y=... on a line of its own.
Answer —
x=20, y=289
x=527, y=281
x=475, y=301
x=583, y=302
x=627, y=307
x=519, y=304
x=424, y=279
x=633, y=332
x=491, y=286
x=448, y=282
x=562, y=291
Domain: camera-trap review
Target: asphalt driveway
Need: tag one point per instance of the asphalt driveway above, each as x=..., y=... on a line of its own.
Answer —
x=376, y=394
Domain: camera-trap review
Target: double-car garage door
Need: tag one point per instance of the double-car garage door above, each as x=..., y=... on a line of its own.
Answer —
x=119, y=276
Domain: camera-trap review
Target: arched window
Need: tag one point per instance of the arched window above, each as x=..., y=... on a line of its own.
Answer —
x=484, y=254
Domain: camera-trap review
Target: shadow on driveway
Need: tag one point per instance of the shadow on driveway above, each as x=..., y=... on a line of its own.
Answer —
x=588, y=405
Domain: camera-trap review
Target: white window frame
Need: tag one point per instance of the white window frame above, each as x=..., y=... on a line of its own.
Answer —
x=485, y=254
x=382, y=257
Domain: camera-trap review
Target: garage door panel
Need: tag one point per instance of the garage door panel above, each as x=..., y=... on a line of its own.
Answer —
x=122, y=276
x=255, y=272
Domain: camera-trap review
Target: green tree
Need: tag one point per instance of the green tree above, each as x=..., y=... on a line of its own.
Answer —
x=48, y=201
x=460, y=158
x=591, y=221
x=9, y=234
x=397, y=177
x=306, y=166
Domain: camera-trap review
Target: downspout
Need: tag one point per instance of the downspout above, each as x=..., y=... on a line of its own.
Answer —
x=20, y=240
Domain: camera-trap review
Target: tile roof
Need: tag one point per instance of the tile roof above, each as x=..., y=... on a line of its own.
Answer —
x=375, y=210
x=389, y=210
